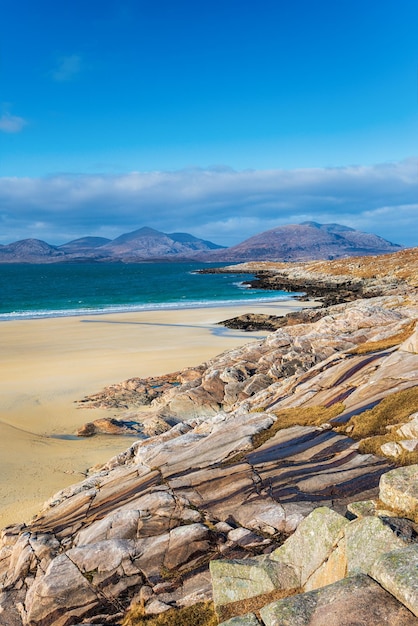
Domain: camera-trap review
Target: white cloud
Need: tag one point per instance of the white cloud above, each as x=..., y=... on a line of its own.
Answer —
x=219, y=204
x=67, y=68
x=11, y=123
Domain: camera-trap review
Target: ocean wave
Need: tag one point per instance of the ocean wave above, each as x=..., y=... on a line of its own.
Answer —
x=242, y=285
x=132, y=308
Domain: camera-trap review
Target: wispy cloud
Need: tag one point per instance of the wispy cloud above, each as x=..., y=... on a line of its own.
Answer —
x=11, y=123
x=220, y=204
x=68, y=67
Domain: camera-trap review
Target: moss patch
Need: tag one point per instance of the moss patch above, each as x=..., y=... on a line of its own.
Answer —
x=201, y=614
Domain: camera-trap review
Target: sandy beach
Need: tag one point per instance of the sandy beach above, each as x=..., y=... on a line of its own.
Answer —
x=48, y=364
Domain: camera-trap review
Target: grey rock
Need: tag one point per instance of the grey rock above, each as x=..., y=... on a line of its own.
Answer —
x=397, y=572
x=234, y=580
x=362, y=508
x=391, y=448
x=312, y=542
x=245, y=538
x=410, y=430
x=411, y=445
x=354, y=600
x=398, y=489
x=155, y=607
x=365, y=540
x=249, y=619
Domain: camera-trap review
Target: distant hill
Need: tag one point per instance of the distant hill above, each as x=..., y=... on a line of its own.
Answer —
x=144, y=244
x=147, y=243
x=30, y=251
x=293, y=242
x=306, y=241
x=193, y=243
x=84, y=245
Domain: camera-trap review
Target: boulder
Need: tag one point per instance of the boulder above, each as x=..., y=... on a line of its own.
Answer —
x=246, y=539
x=348, y=602
x=109, y=426
x=398, y=489
x=362, y=508
x=312, y=542
x=249, y=619
x=397, y=572
x=332, y=570
x=410, y=445
x=410, y=429
x=237, y=579
x=391, y=448
x=155, y=607
x=365, y=540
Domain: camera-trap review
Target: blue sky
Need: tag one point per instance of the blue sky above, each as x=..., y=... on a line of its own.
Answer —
x=222, y=119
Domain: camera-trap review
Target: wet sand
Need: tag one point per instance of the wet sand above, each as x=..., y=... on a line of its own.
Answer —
x=48, y=364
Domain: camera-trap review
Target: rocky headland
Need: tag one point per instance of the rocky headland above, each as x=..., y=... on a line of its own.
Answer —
x=279, y=479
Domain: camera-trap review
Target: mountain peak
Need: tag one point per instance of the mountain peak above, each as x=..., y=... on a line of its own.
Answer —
x=307, y=241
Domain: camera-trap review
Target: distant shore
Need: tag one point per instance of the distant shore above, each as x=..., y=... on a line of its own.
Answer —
x=48, y=364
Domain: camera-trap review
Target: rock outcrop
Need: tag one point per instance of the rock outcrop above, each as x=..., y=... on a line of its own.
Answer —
x=247, y=458
x=305, y=364
x=337, y=564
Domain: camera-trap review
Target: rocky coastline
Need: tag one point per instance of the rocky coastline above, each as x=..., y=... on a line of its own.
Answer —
x=265, y=453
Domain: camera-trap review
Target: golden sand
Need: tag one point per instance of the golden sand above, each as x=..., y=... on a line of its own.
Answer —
x=48, y=364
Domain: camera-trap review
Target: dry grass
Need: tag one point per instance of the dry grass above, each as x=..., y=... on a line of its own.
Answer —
x=407, y=458
x=373, y=445
x=402, y=265
x=385, y=344
x=297, y=416
x=392, y=410
x=201, y=614
x=253, y=605
x=370, y=427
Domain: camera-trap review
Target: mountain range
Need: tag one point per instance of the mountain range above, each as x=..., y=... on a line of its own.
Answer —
x=292, y=242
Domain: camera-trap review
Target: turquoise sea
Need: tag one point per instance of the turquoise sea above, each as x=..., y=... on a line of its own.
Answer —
x=56, y=290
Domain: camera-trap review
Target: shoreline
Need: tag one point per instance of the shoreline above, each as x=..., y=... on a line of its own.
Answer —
x=15, y=316
x=47, y=364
